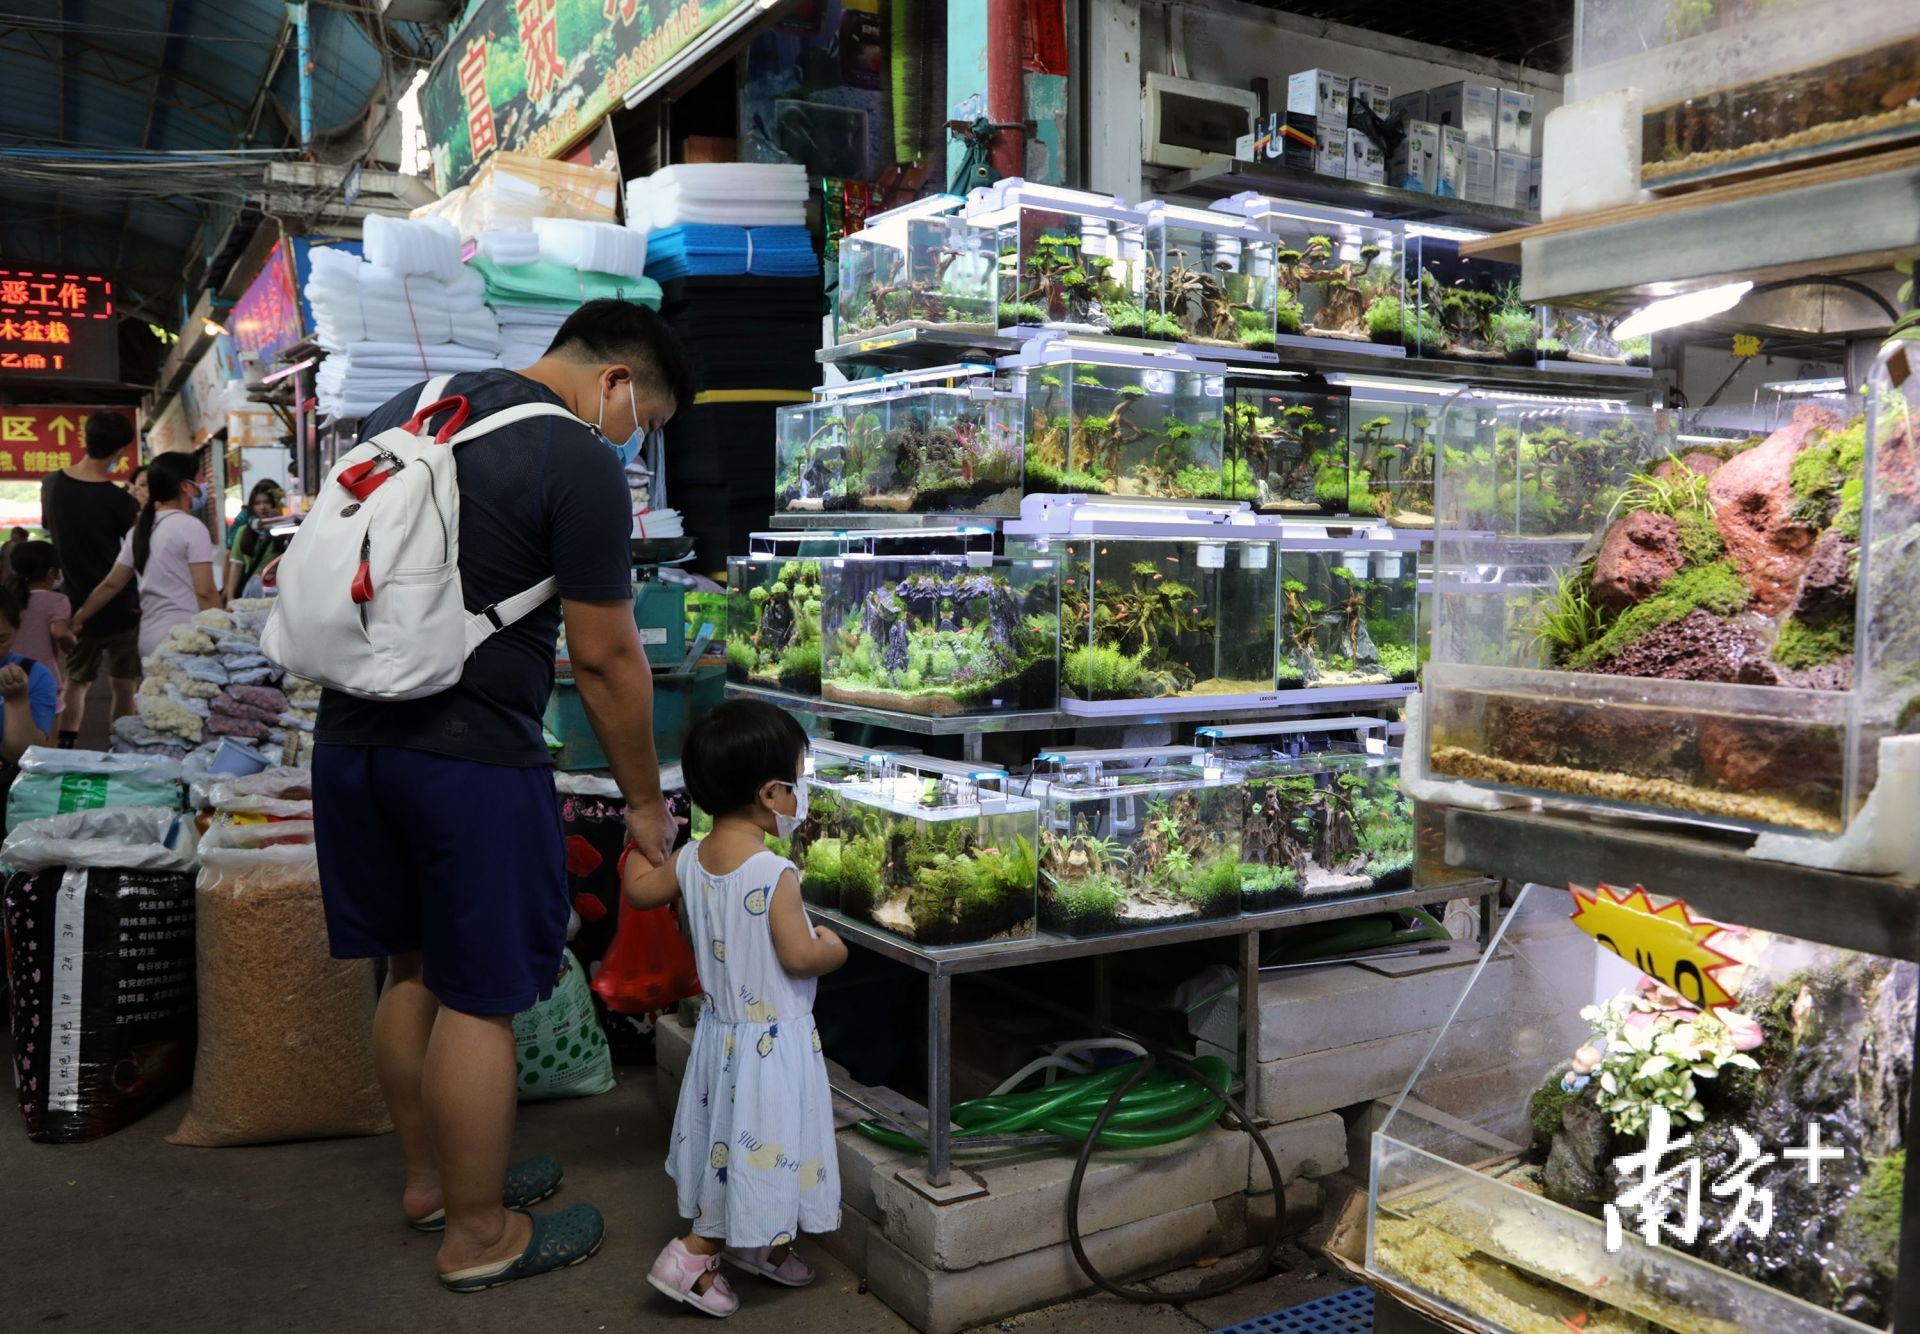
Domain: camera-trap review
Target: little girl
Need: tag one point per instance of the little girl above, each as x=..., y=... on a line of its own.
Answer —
x=753, y=1149
x=45, y=636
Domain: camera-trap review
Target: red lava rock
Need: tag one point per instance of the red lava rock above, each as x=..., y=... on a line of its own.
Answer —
x=1826, y=591
x=1752, y=498
x=1699, y=647
x=1749, y=756
x=1694, y=461
x=1639, y=553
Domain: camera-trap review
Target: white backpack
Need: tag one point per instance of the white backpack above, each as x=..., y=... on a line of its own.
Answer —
x=370, y=600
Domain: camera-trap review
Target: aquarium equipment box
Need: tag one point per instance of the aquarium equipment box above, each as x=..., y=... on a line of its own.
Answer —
x=1415, y=161
x=1450, y=167
x=1211, y=279
x=1324, y=815
x=1322, y=94
x=1287, y=442
x=1105, y=421
x=933, y=851
x=1341, y=274
x=1472, y=108
x=1164, y=606
x=1133, y=839
x=1480, y=177
x=942, y=636
x=941, y=441
x=1722, y=633
x=918, y=266
x=1727, y=86
x=1461, y=307
x=1514, y=132
x=1365, y=162
x=1065, y=260
x=1490, y=1178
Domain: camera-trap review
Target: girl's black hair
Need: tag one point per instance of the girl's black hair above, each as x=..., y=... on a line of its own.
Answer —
x=735, y=749
x=26, y=562
x=167, y=476
x=9, y=607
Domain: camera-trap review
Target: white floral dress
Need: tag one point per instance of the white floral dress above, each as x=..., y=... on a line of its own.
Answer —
x=753, y=1149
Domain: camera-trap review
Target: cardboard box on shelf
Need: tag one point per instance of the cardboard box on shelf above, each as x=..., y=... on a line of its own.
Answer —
x=1322, y=94
x=1378, y=97
x=1415, y=162
x=1472, y=107
x=1514, y=132
x=1412, y=106
x=1480, y=175
x=1365, y=161
x=1510, y=174
x=1330, y=158
x=1450, y=166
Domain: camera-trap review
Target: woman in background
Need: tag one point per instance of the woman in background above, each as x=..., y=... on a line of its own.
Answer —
x=254, y=548
x=169, y=551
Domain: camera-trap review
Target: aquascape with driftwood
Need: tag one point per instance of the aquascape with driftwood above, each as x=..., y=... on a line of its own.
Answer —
x=917, y=273
x=1177, y=618
x=1143, y=848
x=773, y=624
x=925, y=450
x=1390, y=463
x=1213, y=276
x=1347, y=618
x=1058, y=270
x=1726, y=578
x=1323, y=824
x=1098, y=429
x=1459, y=307
x=1328, y=287
x=1288, y=445
x=942, y=636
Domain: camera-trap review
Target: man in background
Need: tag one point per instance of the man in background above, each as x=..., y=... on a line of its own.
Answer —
x=86, y=515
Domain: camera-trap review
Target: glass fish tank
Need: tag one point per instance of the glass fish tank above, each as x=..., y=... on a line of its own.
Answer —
x=1213, y=275
x=1581, y=339
x=1463, y=307
x=1066, y=260
x=1164, y=603
x=1503, y=1187
x=1340, y=273
x=1394, y=432
x=831, y=767
x=811, y=457
x=1287, y=439
x=1324, y=816
x=1724, y=631
x=1348, y=615
x=919, y=266
x=943, y=637
x=1730, y=87
x=1136, y=838
x=934, y=852
x=1123, y=424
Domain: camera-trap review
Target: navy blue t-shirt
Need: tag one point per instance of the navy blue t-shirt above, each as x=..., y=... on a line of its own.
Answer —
x=541, y=498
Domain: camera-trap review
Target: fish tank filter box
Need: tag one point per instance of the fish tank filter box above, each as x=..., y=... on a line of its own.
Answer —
x=1065, y=259
x=1490, y=1180
x=775, y=596
x=1287, y=442
x=1464, y=307
x=1582, y=338
x=1161, y=603
x=1103, y=422
x=1394, y=450
x=1213, y=276
x=1727, y=86
x=940, y=441
x=1340, y=273
x=1136, y=838
x=1348, y=614
x=934, y=852
x=919, y=266
x=943, y=636
x=831, y=767
x=1720, y=632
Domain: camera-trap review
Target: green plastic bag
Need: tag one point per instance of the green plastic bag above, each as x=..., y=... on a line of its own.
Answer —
x=563, y=1053
x=58, y=782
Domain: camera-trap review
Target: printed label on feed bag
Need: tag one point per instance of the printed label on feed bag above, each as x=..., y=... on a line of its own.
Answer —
x=64, y=1017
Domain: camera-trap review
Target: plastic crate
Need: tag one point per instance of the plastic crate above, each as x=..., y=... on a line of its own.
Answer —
x=1349, y=1312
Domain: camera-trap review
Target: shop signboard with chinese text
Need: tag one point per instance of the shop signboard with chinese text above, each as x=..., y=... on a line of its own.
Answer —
x=266, y=320
x=532, y=76
x=169, y=433
x=57, y=326
x=38, y=440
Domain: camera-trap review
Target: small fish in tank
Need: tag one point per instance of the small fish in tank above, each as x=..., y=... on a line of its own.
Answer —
x=943, y=637
x=811, y=452
x=1347, y=618
x=1128, y=425
x=1143, y=848
x=1465, y=308
x=1334, y=271
x=832, y=767
x=1290, y=444
x=940, y=450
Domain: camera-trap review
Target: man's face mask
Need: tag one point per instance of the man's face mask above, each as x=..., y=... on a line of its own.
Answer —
x=628, y=451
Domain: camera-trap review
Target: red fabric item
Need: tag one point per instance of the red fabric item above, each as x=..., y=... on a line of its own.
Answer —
x=649, y=966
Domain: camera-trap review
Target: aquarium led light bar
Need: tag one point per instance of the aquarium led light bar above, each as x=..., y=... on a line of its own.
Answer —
x=1830, y=384
x=1444, y=233
x=1672, y=311
x=1397, y=386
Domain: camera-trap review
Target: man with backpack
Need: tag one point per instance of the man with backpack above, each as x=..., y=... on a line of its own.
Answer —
x=436, y=821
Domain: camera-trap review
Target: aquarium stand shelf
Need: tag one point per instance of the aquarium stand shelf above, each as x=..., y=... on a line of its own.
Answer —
x=919, y=347
x=1225, y=177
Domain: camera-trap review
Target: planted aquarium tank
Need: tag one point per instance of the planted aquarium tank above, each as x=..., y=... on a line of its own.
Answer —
x=1287, y=440
x=945, y=441
x=934, y=852
x=1392, y=458
x=1347, y=614
x=1158, y=602
x=1066, y=260
x=831, y=767
x=943, y=636
x=919, y=266
x=1465, y=307
x=1517, y=465
x=1730, y=86
x=1494, y=1179
x=1213, y=275
x=1726, y=631
x=1582, y=337
x=1340, y=272
x=1124, y=846
x=1324, y=816
x=1126, y=424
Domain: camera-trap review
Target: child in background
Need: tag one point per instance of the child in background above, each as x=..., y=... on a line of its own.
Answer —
x=44, y=636
x=753, y=1148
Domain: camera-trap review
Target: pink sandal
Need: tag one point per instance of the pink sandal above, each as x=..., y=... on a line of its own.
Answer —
x=791, y=1272
x=678, y=1269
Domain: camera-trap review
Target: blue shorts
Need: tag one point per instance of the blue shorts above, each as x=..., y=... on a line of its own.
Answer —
x=462, y=861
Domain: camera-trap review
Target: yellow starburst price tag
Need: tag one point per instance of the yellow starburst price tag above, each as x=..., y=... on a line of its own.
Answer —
x=1668, y=943
x=1746, y=345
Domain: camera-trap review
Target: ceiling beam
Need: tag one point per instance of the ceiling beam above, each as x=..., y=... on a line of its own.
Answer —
x=107, y=76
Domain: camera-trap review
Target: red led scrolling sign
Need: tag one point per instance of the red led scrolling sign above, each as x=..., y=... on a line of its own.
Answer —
x=67, y=296
x=55, y=323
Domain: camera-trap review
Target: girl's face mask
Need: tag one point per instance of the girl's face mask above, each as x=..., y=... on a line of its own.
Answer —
x=784, y=825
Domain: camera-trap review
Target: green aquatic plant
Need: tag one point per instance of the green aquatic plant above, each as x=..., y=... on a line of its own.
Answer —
x=1569, y=620
x=1097, y=671
x=1717, y=588
x=1803, y=644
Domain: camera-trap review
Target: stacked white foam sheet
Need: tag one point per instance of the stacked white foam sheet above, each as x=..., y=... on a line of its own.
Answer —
x=595, y=247
x=525, y=333
x=391, y=323
x=510, y=247
x=738, y=194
